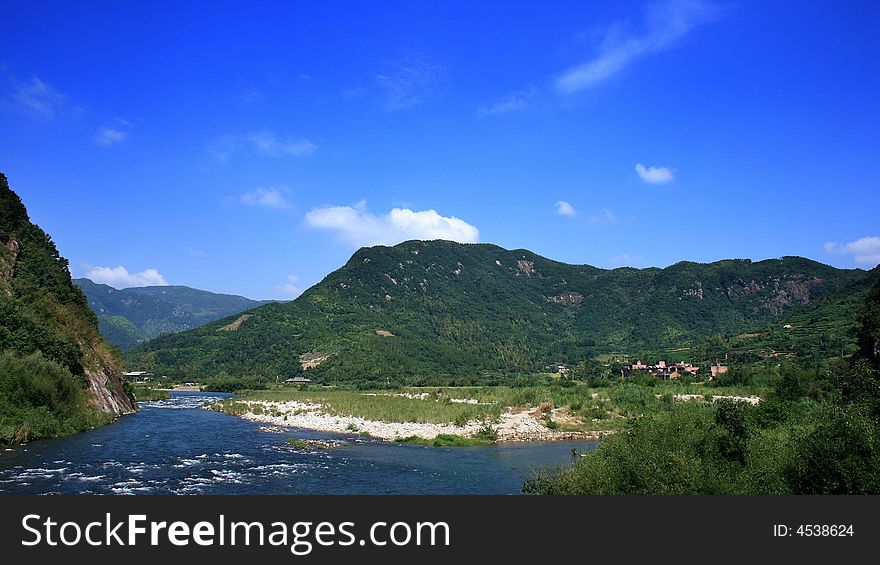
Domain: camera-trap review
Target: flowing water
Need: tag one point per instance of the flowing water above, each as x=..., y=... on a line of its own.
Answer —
x=175, y=446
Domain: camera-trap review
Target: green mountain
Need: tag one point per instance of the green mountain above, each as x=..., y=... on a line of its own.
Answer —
x=130, y=316
x=57, y=374
x=437, y=312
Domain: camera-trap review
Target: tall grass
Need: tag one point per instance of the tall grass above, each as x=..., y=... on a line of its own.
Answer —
x=383, y=407
x=145, y=393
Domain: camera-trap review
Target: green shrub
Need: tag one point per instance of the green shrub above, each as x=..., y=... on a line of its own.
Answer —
x=40, y=399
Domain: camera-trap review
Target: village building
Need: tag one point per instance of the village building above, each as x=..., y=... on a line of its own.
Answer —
x=138, y=376
x=559, y=368
x=663, y=370
x=298, y=381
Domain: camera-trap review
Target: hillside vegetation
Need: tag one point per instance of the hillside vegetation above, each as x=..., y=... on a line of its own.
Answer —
x=816, y=432
x=57, y=375
x=436, y=312
x=131, y=316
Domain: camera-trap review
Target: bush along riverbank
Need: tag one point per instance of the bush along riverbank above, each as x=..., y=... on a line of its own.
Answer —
x=40, y=399
x=147, y=394
x=818, y=432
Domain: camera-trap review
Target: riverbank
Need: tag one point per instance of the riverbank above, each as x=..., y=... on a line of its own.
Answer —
x=511, y=425
x=494, y=414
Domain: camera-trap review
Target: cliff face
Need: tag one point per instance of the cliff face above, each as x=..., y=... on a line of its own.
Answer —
x=41, y=310
x=108, y=394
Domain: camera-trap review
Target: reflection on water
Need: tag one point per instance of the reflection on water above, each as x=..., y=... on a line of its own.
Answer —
x=175, y=447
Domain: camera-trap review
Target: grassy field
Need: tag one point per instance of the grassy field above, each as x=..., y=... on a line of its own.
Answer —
x=145, y=394
x=383, y=406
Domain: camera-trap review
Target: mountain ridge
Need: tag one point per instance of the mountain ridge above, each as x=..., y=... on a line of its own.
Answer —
x=471, y=312
x=133, y=315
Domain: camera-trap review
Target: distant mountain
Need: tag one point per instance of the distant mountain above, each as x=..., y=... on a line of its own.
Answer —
x=133, y=315
x=57, y=374
x=442, y=312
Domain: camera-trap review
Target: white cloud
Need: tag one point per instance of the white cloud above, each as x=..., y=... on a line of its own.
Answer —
x=408, y=82
x=109, y=136
x=290, y=288
x=37, y=98
x=601, y=217
x=119, y=277
x=357, y=226
x=263, y=142
x=625, y=260
x=514, y=101
x=665, y=22
x=563, y=208
x=865, y=251
x=655, y=175
x=223, y=147
x=269, y=144
x=268, y=197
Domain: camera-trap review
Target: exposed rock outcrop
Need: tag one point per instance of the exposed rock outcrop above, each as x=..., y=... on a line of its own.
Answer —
x=8, y=255
x=525, y=267
x=778, y=292
x=108, y=394
x=567, y=299
x=235, y=324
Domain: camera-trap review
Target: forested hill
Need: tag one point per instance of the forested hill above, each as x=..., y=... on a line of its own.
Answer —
x=436, y=311
x=55, y=368
x=130, y=316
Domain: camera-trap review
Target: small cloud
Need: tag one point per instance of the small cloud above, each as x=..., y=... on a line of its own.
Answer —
x=408, y=82
x=865, y=251
x=119, y=277
x=269, y=144
x=290, y=288
x=250, y=95
x=665, y=23
x=625, y=260
x=196, y=252
x=358, y=227
x=263, y=142
x=601, y=217
x=37, y=98
x=268, y=197
x=563, y=208
x=108, y=136
x=513, y=102
x=655, y=175
x=223, y=147
x=355, y=92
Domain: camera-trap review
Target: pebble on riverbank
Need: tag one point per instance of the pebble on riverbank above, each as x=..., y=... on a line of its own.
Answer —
x=513, y=425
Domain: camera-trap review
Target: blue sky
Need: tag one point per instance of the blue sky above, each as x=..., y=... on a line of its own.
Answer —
x=251, y=147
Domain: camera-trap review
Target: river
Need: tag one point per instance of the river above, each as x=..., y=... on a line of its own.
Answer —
x=175, y=446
